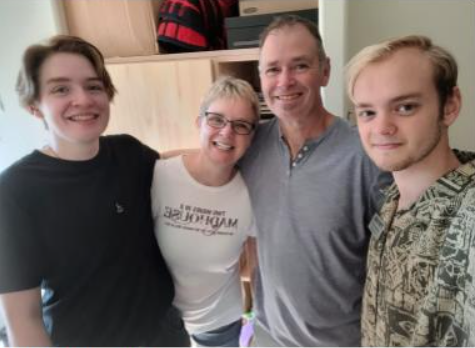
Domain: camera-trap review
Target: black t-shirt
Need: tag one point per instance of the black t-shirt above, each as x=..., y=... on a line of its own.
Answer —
x=83, y=231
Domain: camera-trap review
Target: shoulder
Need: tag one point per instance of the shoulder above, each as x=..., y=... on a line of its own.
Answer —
x=21, y=170
x=468, y=200
x=266, y=134
x=168, y=171
x=124, y=141
x=126, y=147
x=462, y=179
x=168, y=165
x=266, y=130
x=459, y=200
x=346, y=136
x=349, y=149
x=344, y=142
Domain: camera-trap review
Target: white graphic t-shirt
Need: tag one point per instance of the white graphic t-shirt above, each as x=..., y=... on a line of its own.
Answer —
x=200, y=230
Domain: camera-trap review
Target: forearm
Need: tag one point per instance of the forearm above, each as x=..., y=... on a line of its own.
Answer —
x=177, y=152
x=23, y=318
x=29, y=333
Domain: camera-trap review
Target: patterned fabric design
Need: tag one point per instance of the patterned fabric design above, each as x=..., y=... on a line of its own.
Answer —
x=420, y=288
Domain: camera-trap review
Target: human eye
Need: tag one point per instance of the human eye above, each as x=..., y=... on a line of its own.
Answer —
x=59, y=89
x=365, y=114
x=272, y=71
x=242, y=127
x=300, y=67
x=215, y=120
x=407, y=109
x=95, y=87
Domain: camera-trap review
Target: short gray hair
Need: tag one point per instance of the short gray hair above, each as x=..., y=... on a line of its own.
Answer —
x=231, y=87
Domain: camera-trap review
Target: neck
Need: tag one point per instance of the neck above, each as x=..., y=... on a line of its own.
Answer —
x=74, y=152
x=297, y=132
x=415, y=180
x=205, y=172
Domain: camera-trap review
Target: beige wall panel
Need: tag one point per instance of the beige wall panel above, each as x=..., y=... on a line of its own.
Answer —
x=159, y=101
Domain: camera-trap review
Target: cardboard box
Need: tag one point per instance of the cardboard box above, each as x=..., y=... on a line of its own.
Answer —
x=243, y=32
x=258, y=7
x=119, y=28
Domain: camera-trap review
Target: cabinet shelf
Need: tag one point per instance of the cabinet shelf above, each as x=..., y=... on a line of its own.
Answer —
x=221, y=56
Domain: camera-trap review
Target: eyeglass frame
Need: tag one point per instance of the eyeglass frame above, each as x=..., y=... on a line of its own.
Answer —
x=226, y=121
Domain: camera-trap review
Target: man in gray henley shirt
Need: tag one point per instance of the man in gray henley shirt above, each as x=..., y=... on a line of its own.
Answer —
x=310, y=185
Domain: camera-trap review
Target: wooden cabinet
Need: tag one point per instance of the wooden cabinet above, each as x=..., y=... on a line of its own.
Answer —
x=157, y=102
x=159, y=96
x=119, y=28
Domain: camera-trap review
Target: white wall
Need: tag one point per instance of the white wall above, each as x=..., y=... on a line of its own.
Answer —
x=450, y=23
x=333, y=26
x=21, y=24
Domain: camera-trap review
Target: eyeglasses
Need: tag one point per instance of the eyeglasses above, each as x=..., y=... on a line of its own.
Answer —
x=218, y=121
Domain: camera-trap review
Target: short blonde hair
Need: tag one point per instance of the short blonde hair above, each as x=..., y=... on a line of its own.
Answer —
x=444, y=64
x=231, y=87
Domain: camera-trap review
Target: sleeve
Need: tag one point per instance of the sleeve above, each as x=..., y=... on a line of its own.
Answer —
x=20, y=255
x=145, y=158
x=147, y=154
x=469, y=225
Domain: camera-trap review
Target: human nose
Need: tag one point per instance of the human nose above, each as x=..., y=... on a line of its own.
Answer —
x=227, y=129
x=286, y=78
x=385, y=124
x=82, y=97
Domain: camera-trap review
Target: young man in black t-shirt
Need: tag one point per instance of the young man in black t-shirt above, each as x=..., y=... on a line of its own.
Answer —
x=79, y=265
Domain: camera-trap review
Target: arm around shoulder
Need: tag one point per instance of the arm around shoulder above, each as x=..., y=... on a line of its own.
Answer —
x=23, y=318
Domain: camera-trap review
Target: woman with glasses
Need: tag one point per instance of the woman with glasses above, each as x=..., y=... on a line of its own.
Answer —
x=203, y=215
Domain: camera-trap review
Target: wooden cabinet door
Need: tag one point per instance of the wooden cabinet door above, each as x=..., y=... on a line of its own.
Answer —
x=158, y=102
x=119, y=28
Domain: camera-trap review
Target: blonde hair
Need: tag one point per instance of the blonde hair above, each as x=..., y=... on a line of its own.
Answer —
x=231, y=87
x=444, y=64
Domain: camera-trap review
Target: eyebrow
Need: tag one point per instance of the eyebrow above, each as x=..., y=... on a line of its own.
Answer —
x=297, y=59
x=392, y=101
x=214, y=113
x=67, y=79
x=224, y=116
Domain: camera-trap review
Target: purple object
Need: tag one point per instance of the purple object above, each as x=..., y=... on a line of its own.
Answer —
x=247, y=331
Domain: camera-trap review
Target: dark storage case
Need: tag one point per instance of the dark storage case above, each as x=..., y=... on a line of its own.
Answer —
x=243, y=32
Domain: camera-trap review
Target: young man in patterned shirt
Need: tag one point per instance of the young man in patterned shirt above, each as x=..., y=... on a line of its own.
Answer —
x=420, y=287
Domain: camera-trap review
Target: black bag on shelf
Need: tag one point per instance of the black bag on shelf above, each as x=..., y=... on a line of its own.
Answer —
x=194, y=25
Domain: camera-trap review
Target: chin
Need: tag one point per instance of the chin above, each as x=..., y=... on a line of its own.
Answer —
x=393, y=166
x=222, y=162
x=89, y=138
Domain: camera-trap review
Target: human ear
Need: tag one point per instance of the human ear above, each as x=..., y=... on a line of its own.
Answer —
x=33, y=109
x=198, y=122
x=452, y=107
x=326, y=69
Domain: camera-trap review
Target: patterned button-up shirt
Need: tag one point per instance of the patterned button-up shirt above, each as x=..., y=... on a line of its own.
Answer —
x=420, y=287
